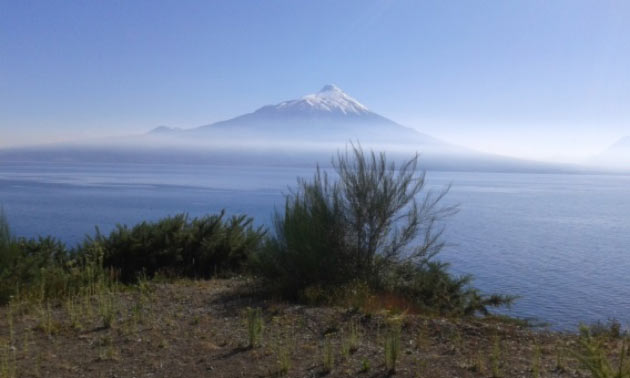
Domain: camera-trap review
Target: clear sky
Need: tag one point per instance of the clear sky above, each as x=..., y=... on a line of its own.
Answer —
x=543, y=79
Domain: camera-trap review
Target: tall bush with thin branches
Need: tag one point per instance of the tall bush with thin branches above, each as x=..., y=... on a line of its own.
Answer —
x=391, y=217
x=374, y=222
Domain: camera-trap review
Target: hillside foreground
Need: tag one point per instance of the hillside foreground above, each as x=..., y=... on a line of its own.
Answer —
x=205, y=328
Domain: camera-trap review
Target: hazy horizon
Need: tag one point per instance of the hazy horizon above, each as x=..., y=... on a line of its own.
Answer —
x=534, y=80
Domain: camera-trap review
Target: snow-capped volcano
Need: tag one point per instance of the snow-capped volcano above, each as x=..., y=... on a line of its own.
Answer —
x=329, y=99
x=327, y=116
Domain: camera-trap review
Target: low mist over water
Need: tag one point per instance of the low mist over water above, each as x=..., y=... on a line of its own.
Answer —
x=559, y=241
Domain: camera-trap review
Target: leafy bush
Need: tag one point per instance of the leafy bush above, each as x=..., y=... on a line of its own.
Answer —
x=44, y=268
x=309, y=248
x=179, y=246
x=39, y=268
x=430, y=287
x=375, y=224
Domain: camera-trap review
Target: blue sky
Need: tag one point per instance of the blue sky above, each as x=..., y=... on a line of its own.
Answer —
x=542, y=79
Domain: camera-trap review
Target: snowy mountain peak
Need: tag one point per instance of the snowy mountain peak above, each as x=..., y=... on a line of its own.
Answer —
x=329, y=100
x=332, y=98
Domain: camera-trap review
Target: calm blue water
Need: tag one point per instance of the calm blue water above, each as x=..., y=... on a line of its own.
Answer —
x=561, y=242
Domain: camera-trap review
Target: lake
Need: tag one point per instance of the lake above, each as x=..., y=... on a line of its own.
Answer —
x=560, y=242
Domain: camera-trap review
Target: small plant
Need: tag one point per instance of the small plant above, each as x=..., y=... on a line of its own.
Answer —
x=283, y=360
x=26, y=340
x=365, y=365
x=351, y=342
x=8, y=364
x=477, y=364
x=74, y=313
x=328, y=355
x=46, y=322
x=107, y=309
x=163, y=344
x=255, y=327
x=536, y=362
x=560, y=357
x=108, y=352
x=392, y=346
x=594, y=359
x=10, y=324
x=495, y=358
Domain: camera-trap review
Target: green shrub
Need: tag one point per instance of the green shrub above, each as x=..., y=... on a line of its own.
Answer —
x=178, y=246
x=309, y=248
x=431, y=287
x=45, y=268
x=374, y=224
x=41, y=268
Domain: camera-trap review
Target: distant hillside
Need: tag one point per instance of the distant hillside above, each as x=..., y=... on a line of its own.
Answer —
x=616, y=156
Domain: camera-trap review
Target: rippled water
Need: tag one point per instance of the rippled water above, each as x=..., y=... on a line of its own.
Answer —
x=561, y=242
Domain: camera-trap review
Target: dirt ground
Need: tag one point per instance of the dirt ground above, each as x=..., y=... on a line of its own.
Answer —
x=201, y=329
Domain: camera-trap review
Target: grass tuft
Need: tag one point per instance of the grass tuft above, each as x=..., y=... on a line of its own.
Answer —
x=392, y=345
x=255, y=327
